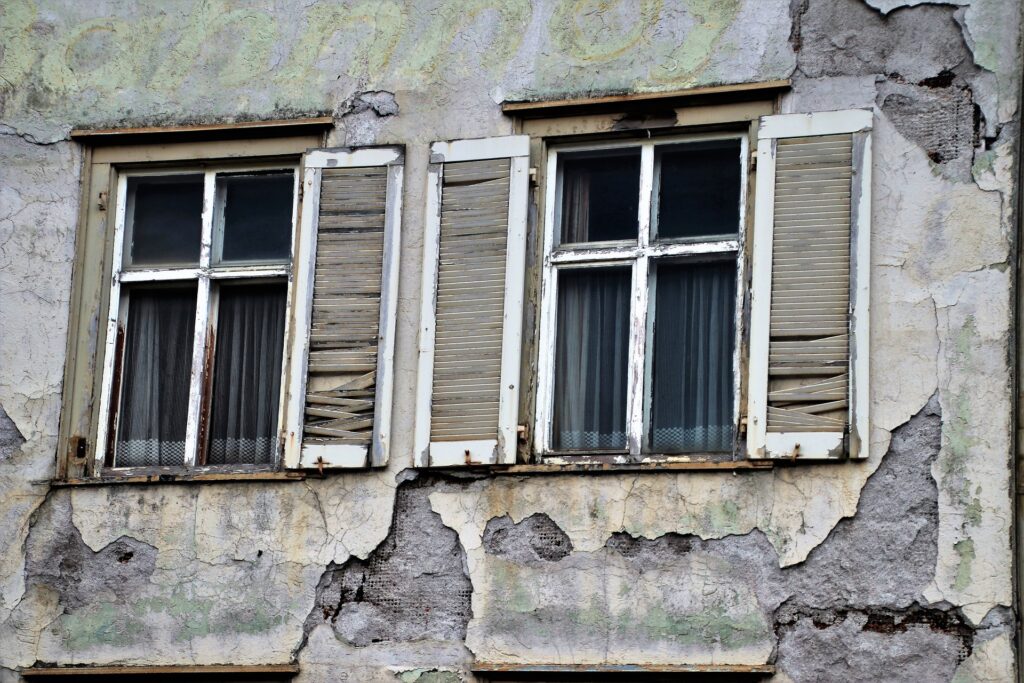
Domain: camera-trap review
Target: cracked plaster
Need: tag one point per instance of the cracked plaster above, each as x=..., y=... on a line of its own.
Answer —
x=940, y=299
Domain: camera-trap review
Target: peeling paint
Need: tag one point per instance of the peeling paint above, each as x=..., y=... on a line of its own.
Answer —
x=900, y=563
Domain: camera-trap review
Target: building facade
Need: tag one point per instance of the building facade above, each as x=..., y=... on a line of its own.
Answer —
x=469, y=341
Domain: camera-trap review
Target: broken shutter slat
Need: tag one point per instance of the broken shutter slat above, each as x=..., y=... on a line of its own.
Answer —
x=346, y=270
x=808, y=383
x=474, y=251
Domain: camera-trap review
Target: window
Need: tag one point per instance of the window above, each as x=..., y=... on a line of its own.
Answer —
x=198, y=311
x=233, y=305
x=640, y=297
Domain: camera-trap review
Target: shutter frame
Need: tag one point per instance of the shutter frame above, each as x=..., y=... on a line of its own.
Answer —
x=297, y=453
x=810, y=444
x=500, y=450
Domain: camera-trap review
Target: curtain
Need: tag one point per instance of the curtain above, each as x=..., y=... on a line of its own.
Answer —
x=694, y=335
x=155, y=373
x=591, y=360
x=247, y=374
x=575, y=206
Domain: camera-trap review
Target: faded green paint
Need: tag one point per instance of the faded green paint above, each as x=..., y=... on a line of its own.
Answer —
x=600, y=30
x=216, y=59
x=711, y=626
x=194, y=616
x=100, y=624
x=956, y=424
x=965, y=552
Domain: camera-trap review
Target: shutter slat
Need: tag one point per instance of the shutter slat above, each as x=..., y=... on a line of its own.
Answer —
x=346, y=303
x=808, y=347
x=470, y=299
x=474, y=250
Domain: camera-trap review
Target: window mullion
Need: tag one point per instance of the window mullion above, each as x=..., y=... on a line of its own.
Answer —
x=635, y=389
x=201, y=332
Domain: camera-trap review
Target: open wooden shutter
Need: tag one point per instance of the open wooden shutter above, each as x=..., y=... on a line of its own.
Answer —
x=471, y=316
x=808, y=385
x=338, y=411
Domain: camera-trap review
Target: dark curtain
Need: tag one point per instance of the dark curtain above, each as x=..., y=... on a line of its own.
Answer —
x=155, y=374
x=247, y=374
x=591, y=361
x=694, y=335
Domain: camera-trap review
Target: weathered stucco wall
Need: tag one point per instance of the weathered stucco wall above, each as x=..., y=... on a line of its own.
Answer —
x=898, y=567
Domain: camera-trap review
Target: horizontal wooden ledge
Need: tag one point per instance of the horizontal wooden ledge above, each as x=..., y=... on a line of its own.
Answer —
x=760, y=669
x=182, y=478
x=169, y=670
x=274, y=127
x=598, y=467
x=562, y=107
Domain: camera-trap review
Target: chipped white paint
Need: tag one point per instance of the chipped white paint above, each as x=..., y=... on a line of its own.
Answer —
x=480, y=148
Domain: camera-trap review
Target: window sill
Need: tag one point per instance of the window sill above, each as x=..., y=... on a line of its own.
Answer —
x=200, y=672
x=613, y=671
x=599, y=464
x=174, y=475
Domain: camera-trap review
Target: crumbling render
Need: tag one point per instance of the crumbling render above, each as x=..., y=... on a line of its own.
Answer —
x=413, y=586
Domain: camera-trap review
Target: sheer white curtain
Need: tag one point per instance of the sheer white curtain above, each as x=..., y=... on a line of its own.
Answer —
x=247, y=374
x=694, y=335
x=591, y=359
x=155, y=377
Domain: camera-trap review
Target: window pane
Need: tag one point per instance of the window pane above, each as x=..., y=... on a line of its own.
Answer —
x=155, y=373
x=600, y=195
x=591, y=359
x=257, y=216
x=165, y=216
x=247, y=374
x=699, y=189
x=694, y=334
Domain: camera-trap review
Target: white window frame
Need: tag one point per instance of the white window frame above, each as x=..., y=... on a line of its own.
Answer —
x=204, y=275
x=638, y=256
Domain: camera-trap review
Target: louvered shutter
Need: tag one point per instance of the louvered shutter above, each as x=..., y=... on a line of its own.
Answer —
x=808, y=384
x=471, y=315
x=338, y=411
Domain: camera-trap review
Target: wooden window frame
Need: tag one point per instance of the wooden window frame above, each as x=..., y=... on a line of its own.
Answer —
x=205, y=274
x=106, y=154
x=639, y=257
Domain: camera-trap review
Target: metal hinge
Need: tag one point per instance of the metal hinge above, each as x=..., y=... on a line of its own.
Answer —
x=753, y=160
x=102, y=201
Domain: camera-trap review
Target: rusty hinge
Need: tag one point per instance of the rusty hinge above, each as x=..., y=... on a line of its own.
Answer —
x=102, y=203
x=533, y=176
x=523, y=434
x=753, y=160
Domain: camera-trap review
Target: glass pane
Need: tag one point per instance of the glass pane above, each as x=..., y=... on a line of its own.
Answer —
x=257, y=217
x=156, y=365
x=600, y=195
x=591, y=359
x=165, y=220
x=247, y=374
x=694, y=334
x=699, y=189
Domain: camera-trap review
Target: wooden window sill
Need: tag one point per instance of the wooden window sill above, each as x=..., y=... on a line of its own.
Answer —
x=174, y=672
x=177, y=475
